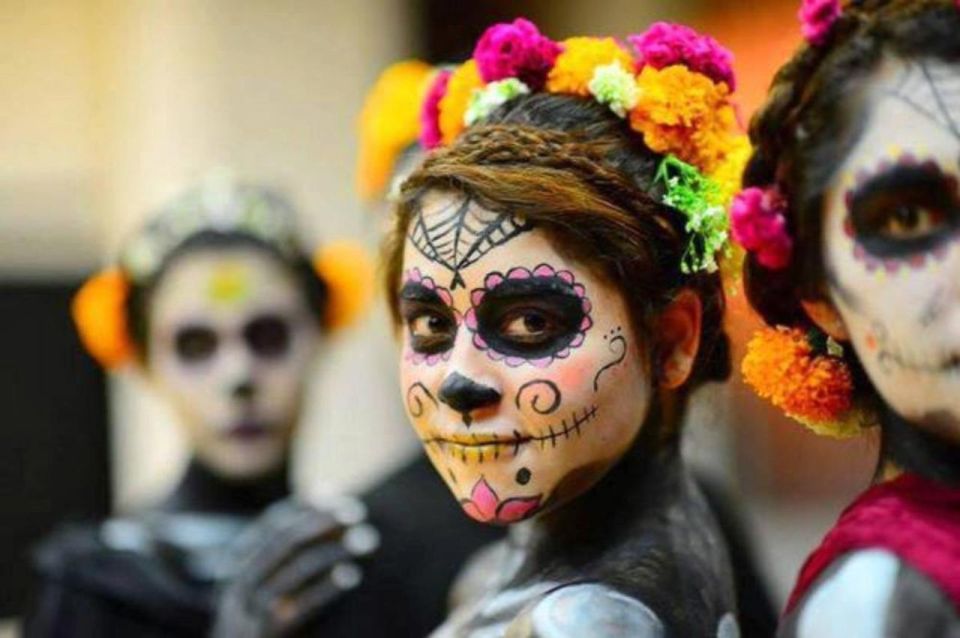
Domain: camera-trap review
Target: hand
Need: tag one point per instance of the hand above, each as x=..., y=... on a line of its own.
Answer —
x=289, y=565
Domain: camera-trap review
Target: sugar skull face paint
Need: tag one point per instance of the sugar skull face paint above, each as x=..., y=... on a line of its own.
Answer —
x=514, y=380
x=892, y=240
x=229, y=344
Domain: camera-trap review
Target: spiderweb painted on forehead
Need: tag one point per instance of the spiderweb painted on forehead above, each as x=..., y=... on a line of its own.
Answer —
x=459, y=235
x=934, y=92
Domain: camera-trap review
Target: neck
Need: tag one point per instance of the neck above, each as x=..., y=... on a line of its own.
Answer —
x=202, y=490
x=908, y=447
x=647, y=476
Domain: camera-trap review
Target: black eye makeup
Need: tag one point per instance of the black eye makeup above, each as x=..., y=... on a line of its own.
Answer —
x=428, y=315
x=529, y=316
x=908, y=208
x=195, y=343
x=268, y=336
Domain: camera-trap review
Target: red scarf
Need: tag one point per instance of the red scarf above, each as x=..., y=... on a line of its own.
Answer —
x=914, y=518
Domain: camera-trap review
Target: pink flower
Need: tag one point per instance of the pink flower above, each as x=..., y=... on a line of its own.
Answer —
x=665, y=44
x=817, y=18
x=430, y=136
x=485, y=506
x=515, y=50
x=759, y=225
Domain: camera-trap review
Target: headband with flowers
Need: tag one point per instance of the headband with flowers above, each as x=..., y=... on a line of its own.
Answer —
x=671, y=85
x=99, y=308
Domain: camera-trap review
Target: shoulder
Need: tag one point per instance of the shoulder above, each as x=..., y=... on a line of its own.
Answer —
x=587, y=610
x=852, y=597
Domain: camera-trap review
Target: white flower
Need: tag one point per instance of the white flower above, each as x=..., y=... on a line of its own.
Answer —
x=484, y=101
x=616, y=87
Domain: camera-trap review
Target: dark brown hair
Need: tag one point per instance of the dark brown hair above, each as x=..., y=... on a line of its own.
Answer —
x=577, y=171
x=814, y=114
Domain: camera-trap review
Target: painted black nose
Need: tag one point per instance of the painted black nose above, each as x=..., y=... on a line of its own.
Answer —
x=464, y=395
x=244, y=390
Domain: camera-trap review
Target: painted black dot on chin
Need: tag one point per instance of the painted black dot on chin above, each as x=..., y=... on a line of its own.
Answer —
x=523, y=476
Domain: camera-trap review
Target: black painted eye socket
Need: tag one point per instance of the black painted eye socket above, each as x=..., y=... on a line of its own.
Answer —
x=195, y=344
x=268, y=337
x=908, y=209
x=532, y=318
x=429, y=321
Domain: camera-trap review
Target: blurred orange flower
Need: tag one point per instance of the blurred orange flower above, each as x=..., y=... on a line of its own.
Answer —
x=464, y=80
x=100, y=314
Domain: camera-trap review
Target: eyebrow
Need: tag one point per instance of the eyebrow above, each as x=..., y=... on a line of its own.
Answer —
x=532, y=285
x=413, y=291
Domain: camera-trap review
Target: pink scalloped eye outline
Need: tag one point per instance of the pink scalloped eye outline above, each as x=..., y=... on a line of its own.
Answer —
x=494, y=279
x=892, y=265
x=414, y=276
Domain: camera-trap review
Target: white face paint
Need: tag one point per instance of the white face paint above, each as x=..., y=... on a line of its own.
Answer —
x=521, y=371
x=230, y=343
x=892, y=241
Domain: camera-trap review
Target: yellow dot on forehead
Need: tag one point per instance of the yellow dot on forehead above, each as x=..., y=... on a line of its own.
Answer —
x=229, y=283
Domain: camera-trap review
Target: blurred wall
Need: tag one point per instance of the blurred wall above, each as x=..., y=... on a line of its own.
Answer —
x=113, y=105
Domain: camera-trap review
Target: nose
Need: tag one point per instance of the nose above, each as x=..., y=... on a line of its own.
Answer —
x=243, y=390
x=465, y=395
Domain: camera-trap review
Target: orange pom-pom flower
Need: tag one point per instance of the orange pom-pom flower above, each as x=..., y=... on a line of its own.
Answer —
x=100, y=314
x=348, y=271
x=815, y=389
x=574, y=67
x=453, y=106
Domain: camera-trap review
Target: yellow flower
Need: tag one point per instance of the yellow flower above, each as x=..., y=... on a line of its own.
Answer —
x=729, y=173
x=100, y=314
x=816, y=390
x=463, y=82
x=389, y=123
x=574, y=67
x=684, y=113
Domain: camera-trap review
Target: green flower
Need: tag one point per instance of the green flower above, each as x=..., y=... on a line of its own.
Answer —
x=616, y=87
x=695, y=195
x=484, y=101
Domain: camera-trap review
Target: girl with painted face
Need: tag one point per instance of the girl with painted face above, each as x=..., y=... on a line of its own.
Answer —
x=552, y=270
x=216, y=304
x=851, y=218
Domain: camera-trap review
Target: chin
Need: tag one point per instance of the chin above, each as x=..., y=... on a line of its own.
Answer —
x=248, y=460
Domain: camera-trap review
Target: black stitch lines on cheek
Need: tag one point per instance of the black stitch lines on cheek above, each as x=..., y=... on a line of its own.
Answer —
x=529, y=316
x=459, y=235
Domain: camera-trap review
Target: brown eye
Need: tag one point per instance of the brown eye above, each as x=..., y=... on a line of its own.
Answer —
x=910, y=222
x=530, y=326
x=431, y=332
x=194, y=344
x=268, y=337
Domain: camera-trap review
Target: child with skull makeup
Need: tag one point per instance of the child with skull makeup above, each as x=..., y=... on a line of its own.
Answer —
x=216, y=304
x=851, y=216
x=557, y=305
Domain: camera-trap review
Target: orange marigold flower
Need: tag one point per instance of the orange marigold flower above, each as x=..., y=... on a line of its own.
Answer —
x=574, y=67
x=348, y=272
x=464, y=81
x=686, y=114
x=781, y=366
x=100, y=314
x=389, y=123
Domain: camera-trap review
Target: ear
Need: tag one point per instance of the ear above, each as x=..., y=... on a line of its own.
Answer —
x=827, y=318
x=678, y=337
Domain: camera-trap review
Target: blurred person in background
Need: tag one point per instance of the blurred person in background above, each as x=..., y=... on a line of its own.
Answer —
x=543, y=259
x=851, y=216
x=218, y=306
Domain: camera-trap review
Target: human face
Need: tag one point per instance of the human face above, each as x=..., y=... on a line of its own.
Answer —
x=892, y=242
x=231, y=339
x=520, y=369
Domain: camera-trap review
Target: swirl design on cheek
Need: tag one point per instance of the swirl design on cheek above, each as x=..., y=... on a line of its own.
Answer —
x=416, y=394
x=617, y=345
x=539, y=389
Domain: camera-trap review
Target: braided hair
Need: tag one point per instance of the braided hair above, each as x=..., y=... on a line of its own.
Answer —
x=813, y=116
x=578, y=172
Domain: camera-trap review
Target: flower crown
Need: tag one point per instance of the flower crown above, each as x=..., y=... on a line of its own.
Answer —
x=671, y=84
x=389, y=123
x=99, y=308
